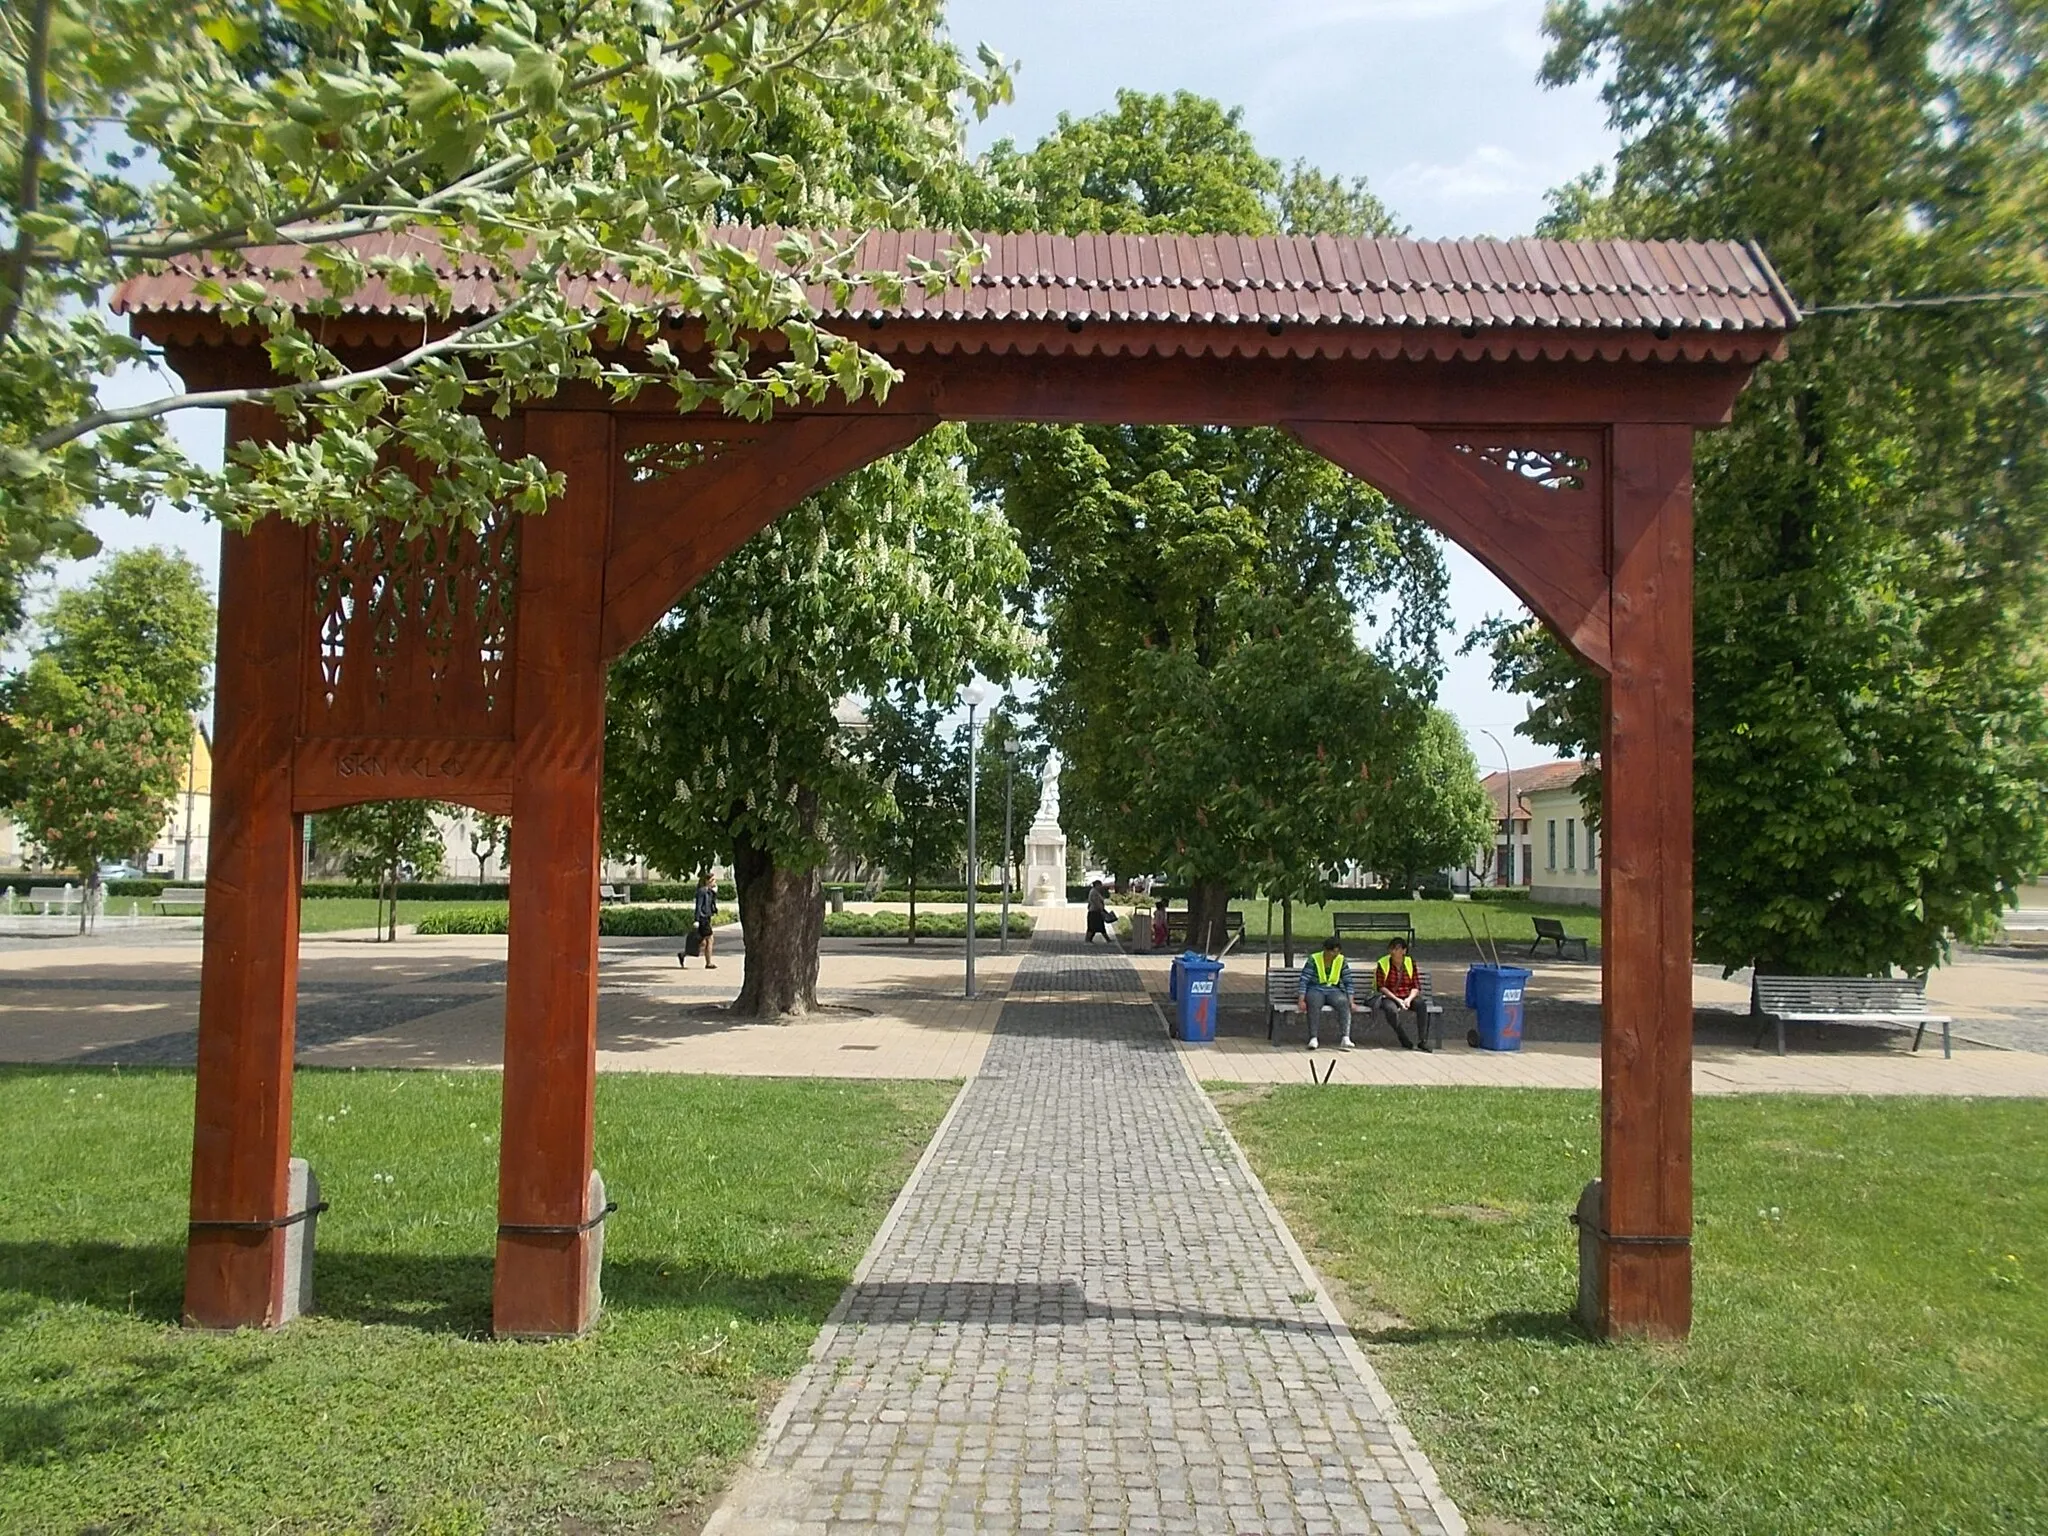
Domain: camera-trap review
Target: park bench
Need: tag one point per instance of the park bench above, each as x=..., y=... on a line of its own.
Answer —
x=1842, y=1000
x=62, y=897
x=1354, y=924
x=1177, y=927
x=1550, y=930
x=179, y=896
x=611, y=893
x=1283, y=995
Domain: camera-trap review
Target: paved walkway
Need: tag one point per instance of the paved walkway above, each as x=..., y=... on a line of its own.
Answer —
x=1084, y=1314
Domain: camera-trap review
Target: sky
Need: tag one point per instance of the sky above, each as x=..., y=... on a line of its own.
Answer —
x=1435, y=102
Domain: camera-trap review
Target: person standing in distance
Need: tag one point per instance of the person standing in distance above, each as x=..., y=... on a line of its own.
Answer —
x=707, y=913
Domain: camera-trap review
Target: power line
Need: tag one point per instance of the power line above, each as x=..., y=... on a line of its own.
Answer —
x=1930, y=301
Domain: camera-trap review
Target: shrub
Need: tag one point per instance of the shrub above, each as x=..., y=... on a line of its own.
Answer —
x=1500, y=893
x=932, y=925
x=612, y=922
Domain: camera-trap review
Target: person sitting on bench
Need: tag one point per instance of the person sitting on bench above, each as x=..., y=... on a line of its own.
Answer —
x=1397, y=989
x=1322, y=986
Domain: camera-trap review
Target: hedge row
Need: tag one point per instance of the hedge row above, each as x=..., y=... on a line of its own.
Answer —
x=612, y=922
x=930, y=925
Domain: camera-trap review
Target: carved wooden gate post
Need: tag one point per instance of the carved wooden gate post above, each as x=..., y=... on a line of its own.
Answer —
x=1643, y=1244
x=241, y=1143
x=546, y=1280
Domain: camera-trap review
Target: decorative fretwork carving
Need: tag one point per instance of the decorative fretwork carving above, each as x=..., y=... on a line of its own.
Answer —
x=413, y=633
x=661, y=460
x=1551, y=469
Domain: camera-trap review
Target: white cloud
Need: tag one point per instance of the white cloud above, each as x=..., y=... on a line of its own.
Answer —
x=1482, y=174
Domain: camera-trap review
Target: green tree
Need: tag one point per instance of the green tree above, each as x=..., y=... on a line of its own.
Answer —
x=488, y=835
x=1872, y=760
x=1252, y=764
x=98, y=771
x=1172, y=540
x=538, y=142
x=922, y=826
x=139, y=635
x=146, y=621
x=721, y=740
x=1009, y=722
x=1430, y=812
x=382, y=843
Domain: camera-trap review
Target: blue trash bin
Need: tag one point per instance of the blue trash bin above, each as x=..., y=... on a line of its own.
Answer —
x=1494, y=994
x=1193, y=987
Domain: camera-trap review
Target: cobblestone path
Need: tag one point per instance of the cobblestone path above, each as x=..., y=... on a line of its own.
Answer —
x=1084, y=1316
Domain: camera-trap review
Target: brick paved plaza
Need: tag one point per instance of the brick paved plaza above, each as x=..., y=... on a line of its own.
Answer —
x=1084, y=1315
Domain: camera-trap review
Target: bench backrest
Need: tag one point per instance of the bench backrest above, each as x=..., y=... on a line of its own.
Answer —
x=1549, y=927
x=1177, y=924
x=178, y=896
x=52, y=893
x=1838, y=994
x=1371, y=922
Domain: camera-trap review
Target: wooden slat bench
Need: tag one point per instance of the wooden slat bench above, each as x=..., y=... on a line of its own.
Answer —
x=1783, y=1000
x=1177, y=926
x=179, y=896
x=1550, y=930
x=62, y=897
x=1352, y=924
x=1283, y=995
x=611, y=893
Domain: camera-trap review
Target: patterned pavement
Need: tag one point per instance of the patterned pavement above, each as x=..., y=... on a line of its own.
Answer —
x=1084, y=1315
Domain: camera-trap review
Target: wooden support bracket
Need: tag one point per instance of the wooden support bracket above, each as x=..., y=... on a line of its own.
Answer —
x=668, y=532
x=1548, y=547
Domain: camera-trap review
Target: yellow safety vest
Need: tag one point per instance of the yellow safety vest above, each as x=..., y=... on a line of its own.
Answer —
x=1327, y=973
x=1385, y=969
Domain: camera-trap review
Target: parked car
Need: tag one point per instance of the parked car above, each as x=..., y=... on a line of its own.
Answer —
x=120, y=869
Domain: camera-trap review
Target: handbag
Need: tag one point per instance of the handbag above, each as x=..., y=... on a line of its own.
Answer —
x=693, y=943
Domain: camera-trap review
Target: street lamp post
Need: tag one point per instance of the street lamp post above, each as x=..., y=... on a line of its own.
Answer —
x=973, y=695
x=1509, y=871
x=1009, y=784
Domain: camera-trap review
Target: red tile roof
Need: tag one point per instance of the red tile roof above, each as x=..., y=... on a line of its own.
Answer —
x=1529, y=781
x=1333, y=284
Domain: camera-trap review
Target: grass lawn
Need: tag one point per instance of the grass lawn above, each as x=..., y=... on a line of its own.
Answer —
x=744, y=1205
x=327, y=914
x=1870, y=1351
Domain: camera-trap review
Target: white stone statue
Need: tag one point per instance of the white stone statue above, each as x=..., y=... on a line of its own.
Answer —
x=1049, y=792
x=1045, y=845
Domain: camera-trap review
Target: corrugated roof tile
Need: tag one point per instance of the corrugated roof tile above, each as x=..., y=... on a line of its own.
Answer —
x=1325, y=280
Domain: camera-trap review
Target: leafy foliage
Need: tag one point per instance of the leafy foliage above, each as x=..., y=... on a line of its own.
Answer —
x=1872, y=761
x=385, y=842
x=95, y=731
x=144, y=620
x=1429, y=811
x=721, y=734
x=922, y=827
x=537, y=143
x=98, y=771
x=1196, y=581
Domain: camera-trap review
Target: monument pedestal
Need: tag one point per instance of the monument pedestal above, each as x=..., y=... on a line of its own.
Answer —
x=1045, y=867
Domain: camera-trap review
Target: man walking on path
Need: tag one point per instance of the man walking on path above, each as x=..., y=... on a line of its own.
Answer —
x=1397, y=989
x=707, y=913
x=1322, y=985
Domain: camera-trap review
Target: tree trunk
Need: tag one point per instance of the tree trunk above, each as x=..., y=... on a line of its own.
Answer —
x=1208, y=902
x=913, y=895
x=782, y=912
x=1287, y=930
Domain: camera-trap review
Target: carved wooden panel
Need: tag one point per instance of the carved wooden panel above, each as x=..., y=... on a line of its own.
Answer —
x=1562, y=461
x=412, y=633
